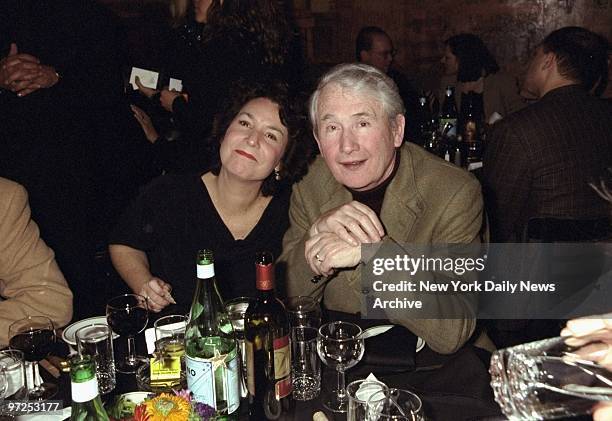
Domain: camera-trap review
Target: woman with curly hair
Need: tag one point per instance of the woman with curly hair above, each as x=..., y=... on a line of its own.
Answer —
x=236, y=209
x=470, y=67
x=218, y=42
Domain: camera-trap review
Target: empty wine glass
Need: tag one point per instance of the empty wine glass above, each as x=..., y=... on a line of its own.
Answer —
x=128, y=315
x=35, y=337
x=339, y=346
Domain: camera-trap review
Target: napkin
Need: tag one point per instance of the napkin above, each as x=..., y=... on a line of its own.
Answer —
x=47, y=416
x=394, y=349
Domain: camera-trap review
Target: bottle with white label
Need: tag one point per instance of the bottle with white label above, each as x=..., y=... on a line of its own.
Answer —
x=211, y=355
x=268, y=355
x=86, y=402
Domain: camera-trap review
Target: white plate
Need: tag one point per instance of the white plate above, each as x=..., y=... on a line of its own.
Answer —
x=69, y=333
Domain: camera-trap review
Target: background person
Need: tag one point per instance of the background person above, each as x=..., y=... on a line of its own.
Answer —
x=31, y=283
x=470, y=67
x=373, y=46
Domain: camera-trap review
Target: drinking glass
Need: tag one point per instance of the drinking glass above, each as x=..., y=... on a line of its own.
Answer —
x=170, y=333
x=128, y=315
x=303, y=311
x=35, y=337
x=97, y=341
x=305, y=364
x=236, y=308
x=549, y=379
x=339, y=346
x=12, y=374
x=359, y=391
x=394, y=405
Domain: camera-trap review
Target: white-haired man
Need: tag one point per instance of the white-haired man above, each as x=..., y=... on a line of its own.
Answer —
x=368, y=187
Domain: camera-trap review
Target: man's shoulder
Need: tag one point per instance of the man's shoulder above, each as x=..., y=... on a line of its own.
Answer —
x=318, y=176
x=429, y=168
x=9, y=189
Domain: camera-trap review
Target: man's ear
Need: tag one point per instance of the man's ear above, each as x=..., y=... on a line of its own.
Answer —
x=549, y=60
x=397, y=128
x=314, y=134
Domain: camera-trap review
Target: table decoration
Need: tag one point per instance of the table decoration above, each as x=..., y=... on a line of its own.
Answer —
x=174, y=406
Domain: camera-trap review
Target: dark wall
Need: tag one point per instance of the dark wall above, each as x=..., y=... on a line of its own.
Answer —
x=511, y=28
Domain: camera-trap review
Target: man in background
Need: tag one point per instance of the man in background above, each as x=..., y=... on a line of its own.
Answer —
x=373, y=46
x=539, y=160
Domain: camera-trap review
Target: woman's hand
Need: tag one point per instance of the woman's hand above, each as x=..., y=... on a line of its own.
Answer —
x=148, y=92
x=145, y=122
x=157, y=294
x=167, y=98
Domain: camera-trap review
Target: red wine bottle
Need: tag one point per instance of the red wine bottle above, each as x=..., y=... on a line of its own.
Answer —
x=268, y=352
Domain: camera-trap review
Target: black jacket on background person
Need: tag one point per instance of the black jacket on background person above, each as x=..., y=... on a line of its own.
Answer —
x=63, y=143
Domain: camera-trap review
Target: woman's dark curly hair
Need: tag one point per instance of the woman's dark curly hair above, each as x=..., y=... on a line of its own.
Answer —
x=474, y=58
x=299, y=150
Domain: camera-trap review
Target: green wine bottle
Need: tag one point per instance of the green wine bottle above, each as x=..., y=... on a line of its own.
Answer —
x=86, y=402
x=211, y=354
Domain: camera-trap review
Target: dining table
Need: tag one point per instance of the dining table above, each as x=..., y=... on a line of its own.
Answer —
x=452, y=387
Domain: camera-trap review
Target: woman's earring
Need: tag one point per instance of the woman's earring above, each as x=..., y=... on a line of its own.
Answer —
x=277, y=175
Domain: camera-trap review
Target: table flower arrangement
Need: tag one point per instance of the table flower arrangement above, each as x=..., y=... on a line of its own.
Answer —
x=177, y=406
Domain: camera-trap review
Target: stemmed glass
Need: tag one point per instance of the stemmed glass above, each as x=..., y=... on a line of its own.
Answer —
x=128, y=315
x=339, y=346
x=35, y=337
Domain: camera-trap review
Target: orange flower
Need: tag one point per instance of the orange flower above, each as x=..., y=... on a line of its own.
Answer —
x=167, y=407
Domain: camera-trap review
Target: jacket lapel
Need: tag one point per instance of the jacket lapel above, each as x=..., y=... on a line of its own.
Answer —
x=403, y=204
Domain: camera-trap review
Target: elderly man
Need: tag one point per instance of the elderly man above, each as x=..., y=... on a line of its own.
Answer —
x=31, y=283
x=539, y=161
x=368, y=188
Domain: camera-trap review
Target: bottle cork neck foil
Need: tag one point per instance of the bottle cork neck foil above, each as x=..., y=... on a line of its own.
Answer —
x=264, y=277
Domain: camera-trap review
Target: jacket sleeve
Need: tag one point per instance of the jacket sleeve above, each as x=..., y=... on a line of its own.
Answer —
x=31, y=282
x=460, y=223
x=298, y=277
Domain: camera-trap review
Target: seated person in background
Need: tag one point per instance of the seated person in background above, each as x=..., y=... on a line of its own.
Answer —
x=470, y=67
x=31, y=283
x=236, y=209
x=374, y=47
x=368, y=188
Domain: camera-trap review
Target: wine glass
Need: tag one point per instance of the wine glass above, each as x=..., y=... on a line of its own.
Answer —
x=339, y=346
x=128, y=315
x=35, y=337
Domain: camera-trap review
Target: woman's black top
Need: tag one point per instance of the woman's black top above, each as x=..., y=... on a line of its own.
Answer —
x=175, y=217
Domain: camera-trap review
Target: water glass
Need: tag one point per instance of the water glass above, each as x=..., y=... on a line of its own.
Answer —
x=549, y=379
x=358, y=393
x=97, y=340
x=394, y=405
x=12, y=374
x=170, y=333
x=236, y=309
x=303, y=311
x=305, y=363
